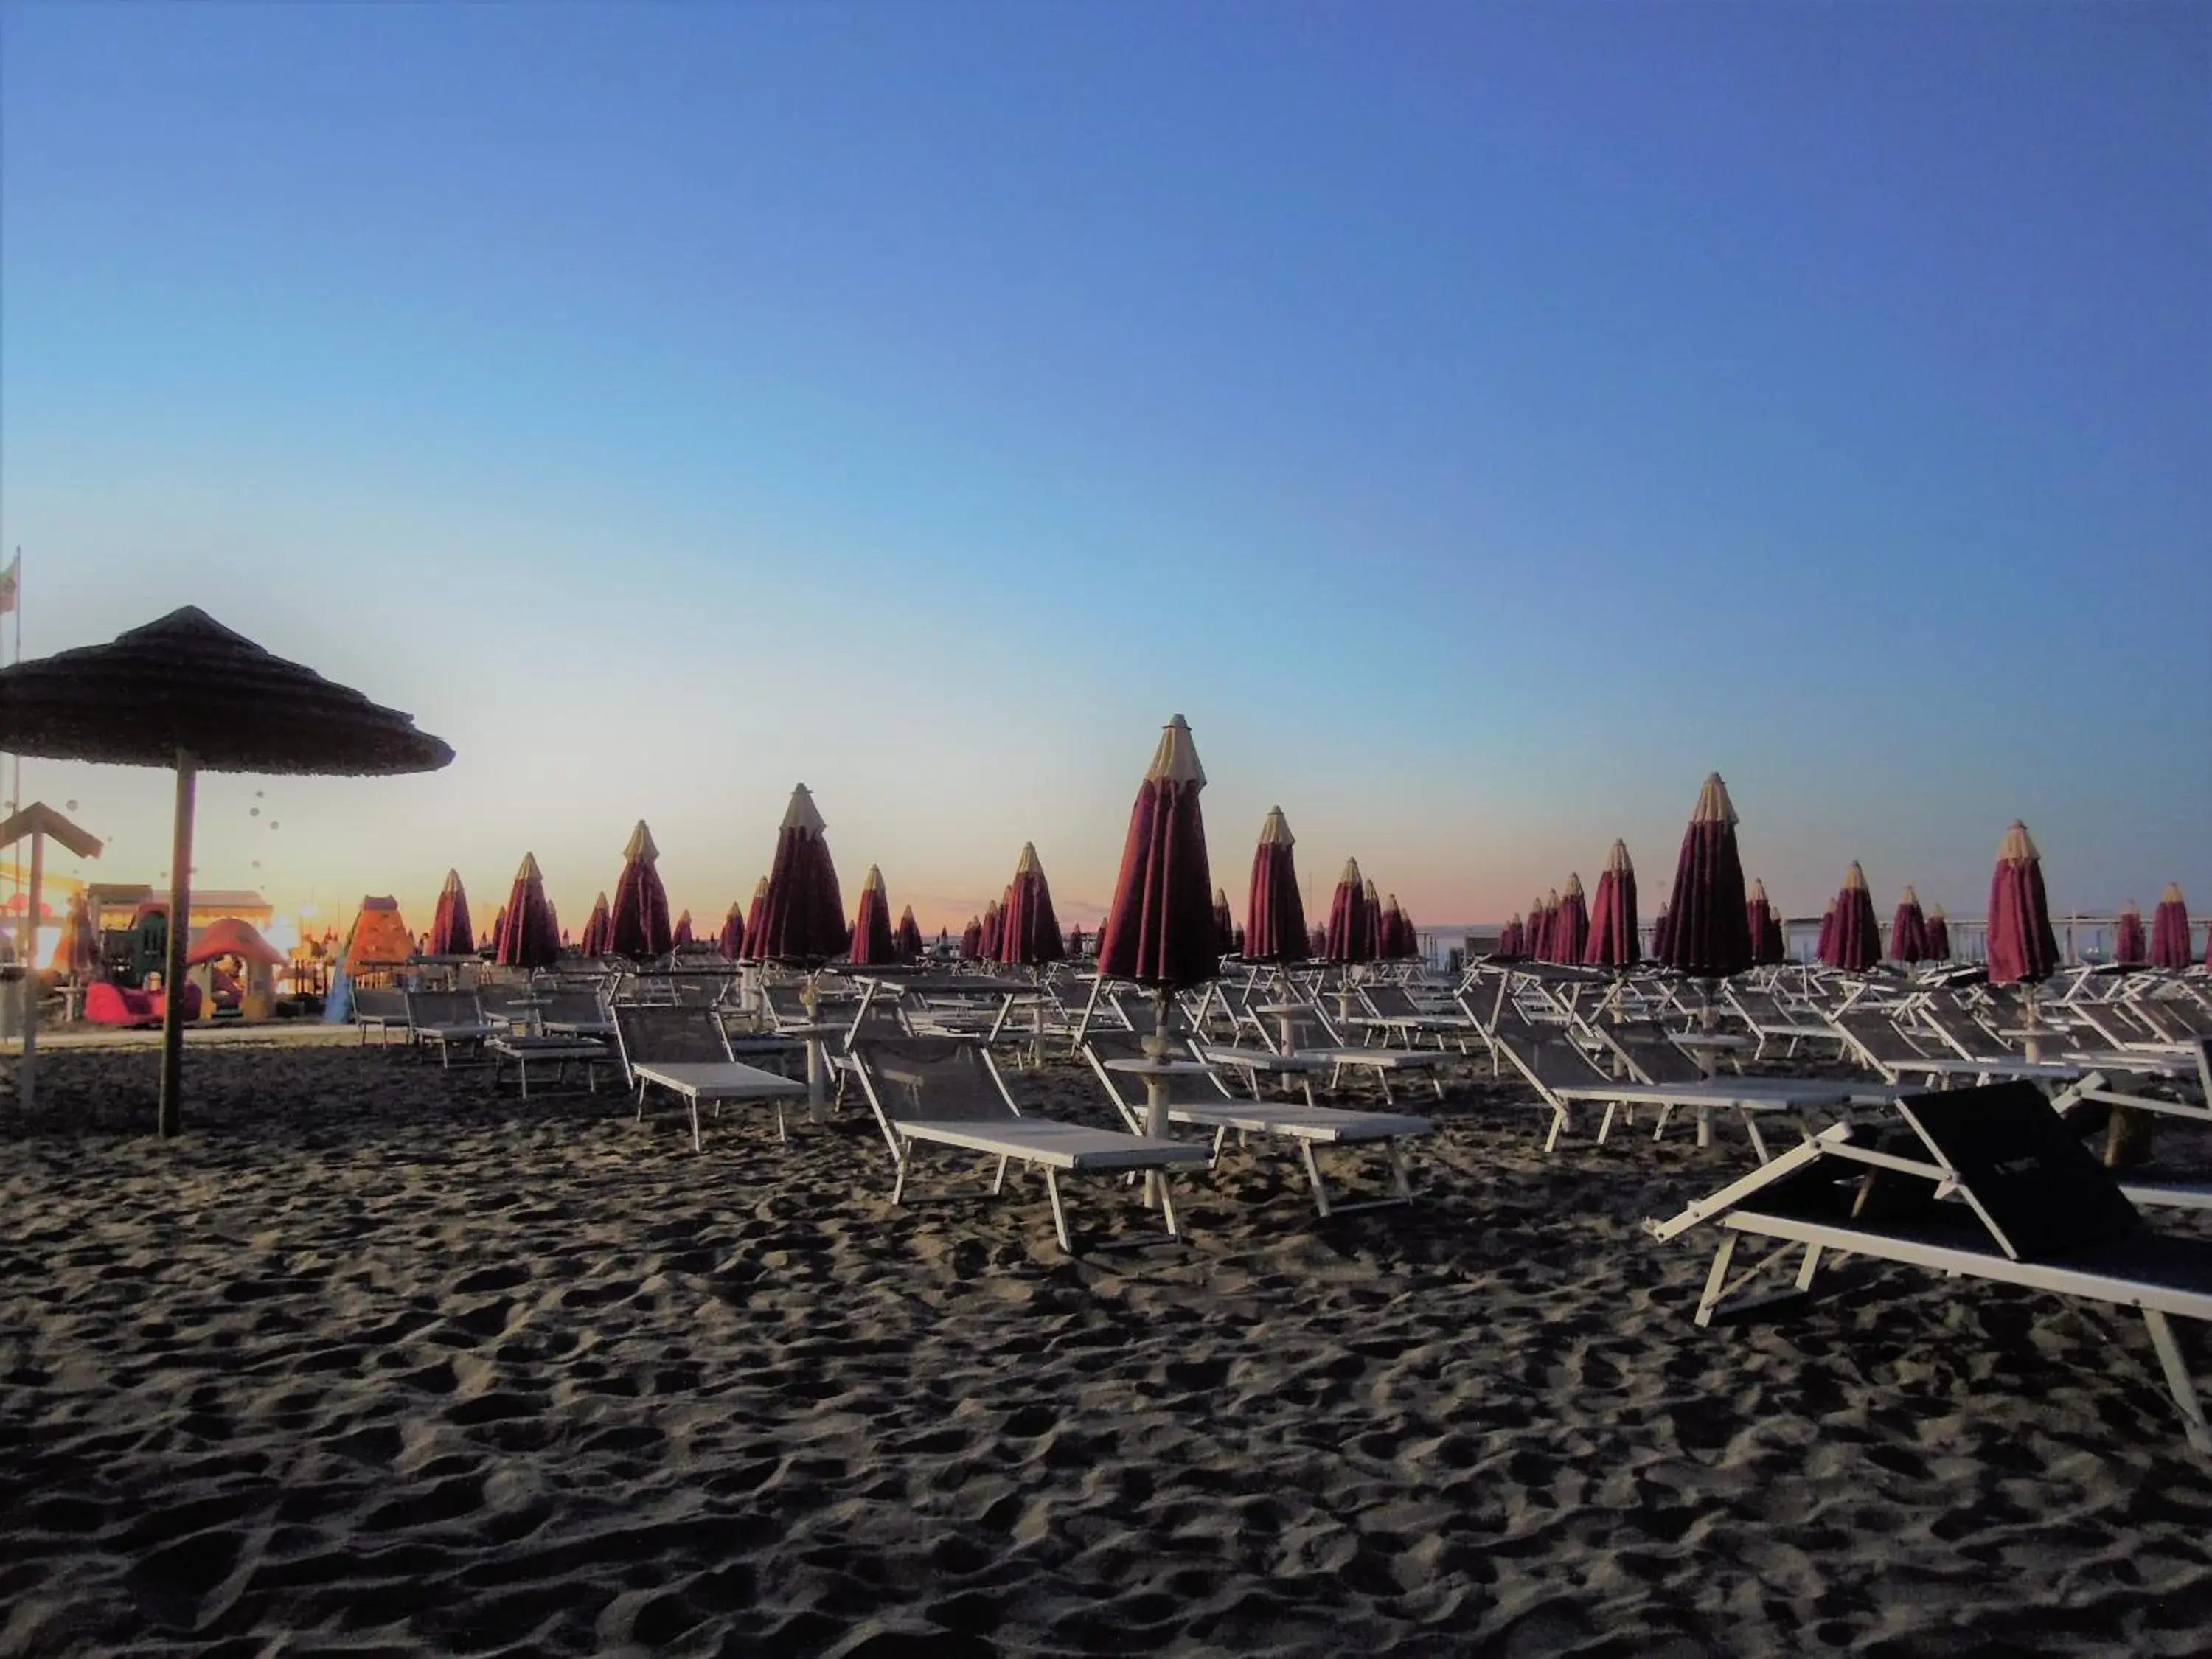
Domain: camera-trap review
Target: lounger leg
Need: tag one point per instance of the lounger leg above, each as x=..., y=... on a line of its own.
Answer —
x=1220, y=1139
x=1167, y=1208
x=782, y=1132
x=1704, y=1126
x=521, y=1072
x=1559, y=1123
x=1605, y=1124
x=1716, y=1280
x=998, y=1181
x=1758, y=1140
x=1659, y=1129
x=1060, y=1211
x=2178, y=1379
x=1807, y=1267
x=640, y=1100
x=1313, y=1174
x=1399, y=1180
x=904, y=1152
x=692, y=1101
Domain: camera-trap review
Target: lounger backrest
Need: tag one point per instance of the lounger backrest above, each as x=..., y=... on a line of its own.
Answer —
x=377, y=1002
x=572, y=1008
x=1650, y=1052
x=1875, y=1034
x=2171, y=1021
x=673, y=1036
x=1390, y=1002
x=930, y=1079
x=1964, y=1035
x=1544, y=1054
x=2041, y=1193
x=882, y=1018
x=444, y=1008
x=787, y=1004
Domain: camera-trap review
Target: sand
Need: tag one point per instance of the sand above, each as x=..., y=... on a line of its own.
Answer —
x=374, y=1360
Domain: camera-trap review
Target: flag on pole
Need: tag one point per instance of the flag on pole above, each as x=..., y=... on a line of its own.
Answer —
x=10, y=579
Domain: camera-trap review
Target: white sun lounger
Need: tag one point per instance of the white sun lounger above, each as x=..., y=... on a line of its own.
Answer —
x=947, y=1091
x=684, y=1052
x=1996, y=1187
x=1307, y=1126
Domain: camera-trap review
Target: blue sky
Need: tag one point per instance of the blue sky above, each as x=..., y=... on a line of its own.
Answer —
x=1480, y=421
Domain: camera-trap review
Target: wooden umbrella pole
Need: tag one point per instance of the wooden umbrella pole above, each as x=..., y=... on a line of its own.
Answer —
x=27, y=1083
x=181, y=929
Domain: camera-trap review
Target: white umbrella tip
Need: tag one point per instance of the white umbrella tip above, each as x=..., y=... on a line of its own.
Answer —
x=801, y=814
x=1714, y=805
x=1617, y=861
x=1276, y=831
x=640, y=847
x=874, y=882
x=1175, y=761
x=2016, y=847
x=1028, y=864
x=1574, y=883
x=529, y=870
x=2172, y=895
x=1854, y=878
x=1351, y=876
x=1758, y=893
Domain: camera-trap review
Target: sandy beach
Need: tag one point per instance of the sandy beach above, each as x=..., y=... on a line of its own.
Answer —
x=374, y=1360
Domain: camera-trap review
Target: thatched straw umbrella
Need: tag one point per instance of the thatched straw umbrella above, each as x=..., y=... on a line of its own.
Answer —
x=186, y=692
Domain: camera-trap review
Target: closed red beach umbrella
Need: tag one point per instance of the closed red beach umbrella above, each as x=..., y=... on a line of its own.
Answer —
x=680, y=934
x=1318, y=943
x=594, y=942
x=2128, y=942
x=1274, y=914
x=490, y=943
x=1571, y=938
x=1224, y=922
x=1659, y=925
x=1612, y=941
x=2169, y=931
x=1532, y=930
x=1160, y=928
x=754, y=913
x=529, y=932
x=1348, y=931
x=1826, y=949
x=1508, y=937
x=2021, y=946
x=1029, y=932
x=971, y=940
x=1551, y=925
x=1766, y=948
x=731, y=941
x=1707, y=932
x=1908, y=930
x=907, y=937
x=1075, y=940
x=638, y=925
x=873, y=944
x=1374, y=922
x=993, y=930
x=1939, y=935
x=1857, y=942
x=452, y=934
x=802, y=920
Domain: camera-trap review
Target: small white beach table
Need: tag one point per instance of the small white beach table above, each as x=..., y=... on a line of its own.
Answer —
x=714, y=1082
x=1158, y=1071
x=557, y=1050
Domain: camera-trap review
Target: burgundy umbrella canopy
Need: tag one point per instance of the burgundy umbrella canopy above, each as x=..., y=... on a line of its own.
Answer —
x=1938, y=936
x=1908, y=929
x=1826, y=949
x=1160, y=928
x=489, y=943
x=1075, y=941
x=1613, y=940
x=452, y=933
x=1318, y=943
x=594, y=943
x=1660, y=935
x=1540, y=941
x=1550, y=927
x=1274, y=915
x=753, y=912
x=1029, y=932
x=1224, y=922
x=971, y=940
x=680, y=935
x=2169, y=931
x=873, y=944
x=907, y=937
x=1571, y=935
x=1767, y=947
x=731, y=941
x=1348, y=930
x=1508, y=937
x=1373, y=923
x=2021, y=946
x=2128, y=942
x=994, y=928
x=1857, y=942
x=802, y=920
x=529, y=932
x=1707, y=932
x=637, y=927
x=1408, y=938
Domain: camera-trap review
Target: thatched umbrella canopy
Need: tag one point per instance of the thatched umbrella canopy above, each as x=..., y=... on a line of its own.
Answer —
x=186, y=692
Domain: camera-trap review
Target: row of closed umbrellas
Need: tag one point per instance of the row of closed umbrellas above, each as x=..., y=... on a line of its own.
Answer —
x=186, y=693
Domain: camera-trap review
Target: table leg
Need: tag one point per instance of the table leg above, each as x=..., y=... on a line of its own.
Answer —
x=814, y=1082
